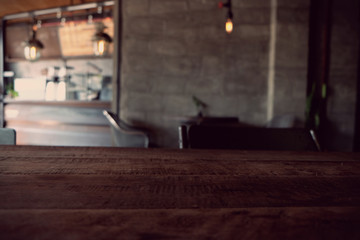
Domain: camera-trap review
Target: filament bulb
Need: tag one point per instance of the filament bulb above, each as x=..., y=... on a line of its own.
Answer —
x=229, y=26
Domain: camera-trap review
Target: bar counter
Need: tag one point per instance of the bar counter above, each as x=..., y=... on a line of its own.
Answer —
x=115, y=193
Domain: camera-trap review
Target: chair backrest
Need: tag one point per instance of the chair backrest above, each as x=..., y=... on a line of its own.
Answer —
x=250, y=138
x=124, y=134
x=7, y=136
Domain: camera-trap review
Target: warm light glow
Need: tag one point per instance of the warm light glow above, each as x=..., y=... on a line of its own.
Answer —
x=31, y=53
x=100, y=47
x=229, y=26
x=27, y=52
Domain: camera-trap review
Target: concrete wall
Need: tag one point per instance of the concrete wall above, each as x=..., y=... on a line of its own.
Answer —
x=343, y=74
x=173, y=50
x=291, y=58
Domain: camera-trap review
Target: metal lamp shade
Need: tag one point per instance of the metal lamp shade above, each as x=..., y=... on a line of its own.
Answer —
x=32, y=48
x=101, y=43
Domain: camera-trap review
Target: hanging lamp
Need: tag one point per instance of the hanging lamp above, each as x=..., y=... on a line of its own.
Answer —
x=229, y=26
x=33, y=47
x=101, y=40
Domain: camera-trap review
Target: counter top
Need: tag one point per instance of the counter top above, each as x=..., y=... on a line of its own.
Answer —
x=84, y=104
x=123, y=193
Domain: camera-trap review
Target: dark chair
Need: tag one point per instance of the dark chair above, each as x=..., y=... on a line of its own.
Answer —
x=210, y=120
x=247, y=138
x=124, y=134
x=7, y=136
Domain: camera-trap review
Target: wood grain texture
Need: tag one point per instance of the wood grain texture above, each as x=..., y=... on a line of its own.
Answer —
x=183, y=154
x=243, y=223
x=119, y=193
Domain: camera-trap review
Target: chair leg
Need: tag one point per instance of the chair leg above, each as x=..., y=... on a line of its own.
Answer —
x=314, y=137
x=183, y=138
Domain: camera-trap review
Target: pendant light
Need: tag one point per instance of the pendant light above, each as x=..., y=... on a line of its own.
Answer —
x=101, y=40
x=33, y=46
x=229, y=26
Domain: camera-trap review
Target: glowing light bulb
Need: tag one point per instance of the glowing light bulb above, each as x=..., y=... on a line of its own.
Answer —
x=100, y=47
x=229, y=26
x=101, y=40
x=31, y=53
x=32, y=46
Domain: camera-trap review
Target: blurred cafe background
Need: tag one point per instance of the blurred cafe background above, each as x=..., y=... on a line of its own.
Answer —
x=159, y=64
x=56, y=80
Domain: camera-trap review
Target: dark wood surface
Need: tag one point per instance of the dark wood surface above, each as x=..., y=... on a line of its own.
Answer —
x=114, y=193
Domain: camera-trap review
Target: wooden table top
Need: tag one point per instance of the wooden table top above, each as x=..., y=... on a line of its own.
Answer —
x=115, y=193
